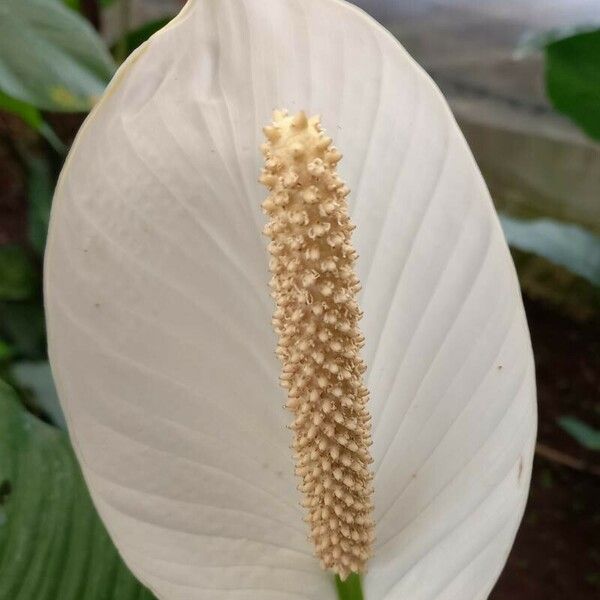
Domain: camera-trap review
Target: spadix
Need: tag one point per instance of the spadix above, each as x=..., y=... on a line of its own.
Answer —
x=316, y=319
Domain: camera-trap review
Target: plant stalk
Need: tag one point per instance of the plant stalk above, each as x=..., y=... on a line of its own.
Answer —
x=350, y=589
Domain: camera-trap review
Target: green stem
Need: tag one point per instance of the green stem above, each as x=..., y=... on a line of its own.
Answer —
x=351, y=589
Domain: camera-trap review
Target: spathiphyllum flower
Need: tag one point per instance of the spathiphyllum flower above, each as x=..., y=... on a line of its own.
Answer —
x=181, y=292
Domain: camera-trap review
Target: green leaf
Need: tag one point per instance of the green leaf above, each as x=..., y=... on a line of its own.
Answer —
x=535, y=40
x=587, y=436
x=22, y=325
x=573, y=79
x=73, y=4
x=350, y=589
x=138, y=36
x=32, y=117
x=76, y=4
x=50, y=56
x=569, y=246
x=52, y=543
x=18, y=277
x=36, y=378
x=29, y=114
x=6, y=351
x=40, y=187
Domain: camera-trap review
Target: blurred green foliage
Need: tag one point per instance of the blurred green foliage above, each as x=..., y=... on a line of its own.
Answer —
x=573, y=78
x=138, y=36
x=569, y=246
x=18, y=279
x=52, y=543
x=40, y=187
x=587, y=436
x=32, y=116
x=51, y=57
x=36, y=384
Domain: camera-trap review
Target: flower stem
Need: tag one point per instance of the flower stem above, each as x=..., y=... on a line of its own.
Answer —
x=350, y=589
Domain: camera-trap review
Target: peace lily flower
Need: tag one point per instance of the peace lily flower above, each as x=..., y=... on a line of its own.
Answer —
x=159, y=317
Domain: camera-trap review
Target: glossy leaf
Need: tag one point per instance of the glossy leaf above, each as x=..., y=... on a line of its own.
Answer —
x=573, y=78
x=50, y=56
x=18, y=278
x=32, y=117
x=569, y=246
x=138, y=36
x=52, y=544
x=159, y=316
x=586, y=435
x=40, y=188
x=28, y=113
x=6, y=351
x=36, y=378
x=74, y=4
x=22, y=324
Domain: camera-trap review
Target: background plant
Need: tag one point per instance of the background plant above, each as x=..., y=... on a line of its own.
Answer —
x=54, y=64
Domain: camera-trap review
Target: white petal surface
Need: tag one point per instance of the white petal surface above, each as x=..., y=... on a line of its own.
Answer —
x=159, y=314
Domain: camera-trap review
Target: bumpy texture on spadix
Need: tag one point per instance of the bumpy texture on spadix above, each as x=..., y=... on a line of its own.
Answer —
x=314, y=286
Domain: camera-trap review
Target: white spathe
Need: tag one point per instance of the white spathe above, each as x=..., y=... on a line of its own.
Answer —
x=159, y=314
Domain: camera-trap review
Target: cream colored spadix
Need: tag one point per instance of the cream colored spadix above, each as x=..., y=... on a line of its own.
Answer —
x=316, y=318
x=159, y=316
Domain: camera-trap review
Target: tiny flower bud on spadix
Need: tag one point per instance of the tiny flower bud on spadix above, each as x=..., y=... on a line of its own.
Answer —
x=316, y=319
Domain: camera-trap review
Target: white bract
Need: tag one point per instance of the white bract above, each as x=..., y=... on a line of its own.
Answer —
x=159, y=313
